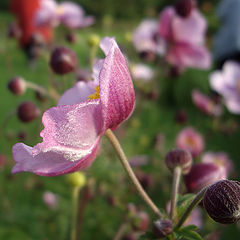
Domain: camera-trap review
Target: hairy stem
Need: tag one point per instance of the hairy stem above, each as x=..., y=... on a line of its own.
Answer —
x=112, y=138
x=175, y=188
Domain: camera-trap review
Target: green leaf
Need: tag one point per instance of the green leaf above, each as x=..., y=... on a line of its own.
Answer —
x=183, y=202
x=147, y=236
x=188, y=233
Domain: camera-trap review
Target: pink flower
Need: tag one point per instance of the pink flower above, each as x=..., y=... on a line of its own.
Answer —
x=206, y=104
x=227, y=83
x=221, y=159
x=66, y=13
x=146, y=39
x=72, y=132
x=185, y=39
x=195, y=218
x=142, y=72
x=189, y=139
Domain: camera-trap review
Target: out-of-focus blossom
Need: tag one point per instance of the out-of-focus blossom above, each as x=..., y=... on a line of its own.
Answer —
x=25, y=12
x=195, y=218
x=146, y=39
x=72, y=132
x=139, y=160
x=184, y=38
x=206, y=104
x=142, y=72
x=189, y=139
x=220, y=158
x=227, y=84
x=50, y=199
x=67, y=13
x=203, y=175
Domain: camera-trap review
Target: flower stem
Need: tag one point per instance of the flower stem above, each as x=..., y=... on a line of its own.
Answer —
x=75, y=194
x=112, y=138
x=175, y=188
x=191, y=206
x=121, y=231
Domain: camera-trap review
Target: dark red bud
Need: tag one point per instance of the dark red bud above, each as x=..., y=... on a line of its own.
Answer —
x=71, y=37
x=63, y=60
x=179, y=158
x=162, y=228
x=202, y=175
x=17, y=85
x=28, y=111
x=145, y=180
x=222, y=201
x=184, y=7
x=141, y=221
x=181, y=116
x=147, y=56
x=39, y=96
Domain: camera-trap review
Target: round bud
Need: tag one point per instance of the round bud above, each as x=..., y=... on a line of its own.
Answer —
x=203, y=175
x=145, y=180
x=76, y=179
x=222, y=201
x=71, y=38
x=17, y=85
x=179, y=158
x=140, y=221
x=162, y=228
x=181, y=116
x=93, y=40
x=28, y=111
x=63, y=60
x=184, y=7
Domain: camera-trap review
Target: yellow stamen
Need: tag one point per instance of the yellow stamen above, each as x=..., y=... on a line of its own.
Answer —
x=95, y=95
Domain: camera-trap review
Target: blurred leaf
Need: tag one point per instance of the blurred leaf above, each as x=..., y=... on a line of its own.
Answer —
x=183, y=202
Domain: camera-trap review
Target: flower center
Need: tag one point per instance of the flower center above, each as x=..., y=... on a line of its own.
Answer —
x=191, y=142
x=59, y=10
x=95, y=95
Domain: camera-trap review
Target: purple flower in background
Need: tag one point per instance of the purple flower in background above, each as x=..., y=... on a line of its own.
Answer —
x=146, y=38
x=50, y=199
x=206, y=104
x=185, y=39
x=219, y=158
x=66, y=13
x=227, y=84
x=189, y=139
x=72, y=132
x=142, y=72
x=195, y=218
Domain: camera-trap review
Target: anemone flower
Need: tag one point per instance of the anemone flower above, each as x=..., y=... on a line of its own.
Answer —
x=206, y=104
x=189, y=139
x=67, y=13
x=227, y=84
x=72, y=132
x=184, y=38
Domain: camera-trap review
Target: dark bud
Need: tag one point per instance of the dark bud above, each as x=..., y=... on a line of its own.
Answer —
x=63, y=60
x=174, y=72
x=71, y=38
x=184, y=7
x=203, y=175
x=222, y=201
x=141, y=221
x=147, y=56
x=179, y=158
x=14, y=31
x=145, y=180
x=28, y=111
x=17, y=85
x=39, y=96
x=162, y=228
x=181, y=116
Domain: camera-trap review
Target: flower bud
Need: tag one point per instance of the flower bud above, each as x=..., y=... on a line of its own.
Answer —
x=184, y=7
x=28, y=111
x=39, y=96
x=222, y=201
x=203, y=175
x=93, y=40
x=76, y=179
x=181, y=116
x=162, y=228
x=17, y=85
x=63, y=60
x=140, y=221
x=179, y=158
x=147, y=56
x=71, y=38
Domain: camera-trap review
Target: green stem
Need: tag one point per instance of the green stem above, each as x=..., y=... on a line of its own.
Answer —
x=175, y=188
x=75, y=194
x=191, y=206
x=112, y=138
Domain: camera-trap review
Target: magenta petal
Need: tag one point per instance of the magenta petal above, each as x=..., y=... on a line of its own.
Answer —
x=50, y=163
x=79, y=93
x=116, y=88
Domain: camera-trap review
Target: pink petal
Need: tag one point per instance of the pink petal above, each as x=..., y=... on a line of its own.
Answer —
x=191, y=29
x=50, y=163
x=217, y=81
x=79, y=93
x=70, y=139
x=186, y=55
x=233, y=105
x=116, y=88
